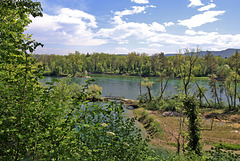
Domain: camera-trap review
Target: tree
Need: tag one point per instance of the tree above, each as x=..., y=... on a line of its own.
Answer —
x=148, y=84
x=212, y=66
x=74, y=63
x=194, y=125
x=53, y=122
x=234, y=63
x=18, y=78
x=185, y=66
x=165, y=72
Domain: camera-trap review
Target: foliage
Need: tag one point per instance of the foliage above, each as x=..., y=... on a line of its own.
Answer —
x=186, y=67
x=53, y=122
x=194, y=125
x=227, y=146
x=95, y=91
x=220, y=155
x=56, y=122
x=148, y=84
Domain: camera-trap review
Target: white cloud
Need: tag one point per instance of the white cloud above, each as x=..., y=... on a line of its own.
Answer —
x=69, y=27
x=75, y=27
x=194, y=38
x=157, y=27
x=155, y=45
x=117, y=19
x=208, y=7
x=76, y=17
x=122, y=29
x=195, y=3
x=46, y=22
x=147, y=50
x=128, y=29
x=123, y=42
x=57, y=51
x=140, y=1
x=206, y=41
x=136, y=9
x=167, y=24
x=200, y=19
x=120, y=51
x=192, y=32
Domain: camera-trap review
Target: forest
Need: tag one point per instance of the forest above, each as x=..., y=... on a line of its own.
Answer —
x=133, y=64
x=56, y=121
x=223, y=73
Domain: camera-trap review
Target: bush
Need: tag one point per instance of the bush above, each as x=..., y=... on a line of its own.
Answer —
x=227, y=146
x=143, y=115
x=156, y=128
x=219, y=155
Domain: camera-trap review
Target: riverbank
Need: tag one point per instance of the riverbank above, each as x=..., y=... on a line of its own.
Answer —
x=158, y=148
x=221, y=131
x=117, y=74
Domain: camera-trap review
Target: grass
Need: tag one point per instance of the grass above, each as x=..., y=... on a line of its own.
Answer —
x=201, y=78
x=222, y=131
x=228, y=146
x=151, y=125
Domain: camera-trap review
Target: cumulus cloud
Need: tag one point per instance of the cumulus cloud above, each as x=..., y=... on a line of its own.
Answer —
x=155, y=45
x=193, y=38
x=206, y=41
x=157, y=27
x=117, y=19
x=167, y=24
x=140, y=1
x=75, y=27
x=123, y=30
x=127, y=29
x=69, y=27
x=201, y=19
x=195, y=3
x=207, y=7
x=135, y=10
x=192, y=32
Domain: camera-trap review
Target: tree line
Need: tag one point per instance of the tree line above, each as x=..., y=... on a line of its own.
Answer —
x=133, y=64
x=56, y=121
x=223, y=73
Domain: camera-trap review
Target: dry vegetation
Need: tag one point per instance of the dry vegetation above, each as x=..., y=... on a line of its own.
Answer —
x=225, y=128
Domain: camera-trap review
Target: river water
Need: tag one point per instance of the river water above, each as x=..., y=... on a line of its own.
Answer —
x=129, y=86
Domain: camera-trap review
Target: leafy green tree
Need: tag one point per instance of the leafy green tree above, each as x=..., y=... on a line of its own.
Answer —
x=148, y=84
x=194, y=130
x=74, y=63
x=18, y=80
x=53, y=122
x=165, y=72
x=234, y=64
x=185, y=67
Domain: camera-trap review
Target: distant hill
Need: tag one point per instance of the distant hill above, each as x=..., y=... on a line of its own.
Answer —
x=224, y=53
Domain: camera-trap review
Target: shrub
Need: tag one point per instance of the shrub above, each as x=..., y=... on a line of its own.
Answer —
x=227, y=146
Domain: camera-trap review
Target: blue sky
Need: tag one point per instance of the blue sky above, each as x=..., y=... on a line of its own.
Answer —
x=123, y=26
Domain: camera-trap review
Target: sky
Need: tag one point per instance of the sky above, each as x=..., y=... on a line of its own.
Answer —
x=142, y=26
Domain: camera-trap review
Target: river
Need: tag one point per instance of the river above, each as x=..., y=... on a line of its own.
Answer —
x=129, y=86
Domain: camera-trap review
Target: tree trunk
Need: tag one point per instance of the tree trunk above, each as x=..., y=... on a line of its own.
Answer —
x=149, y=93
